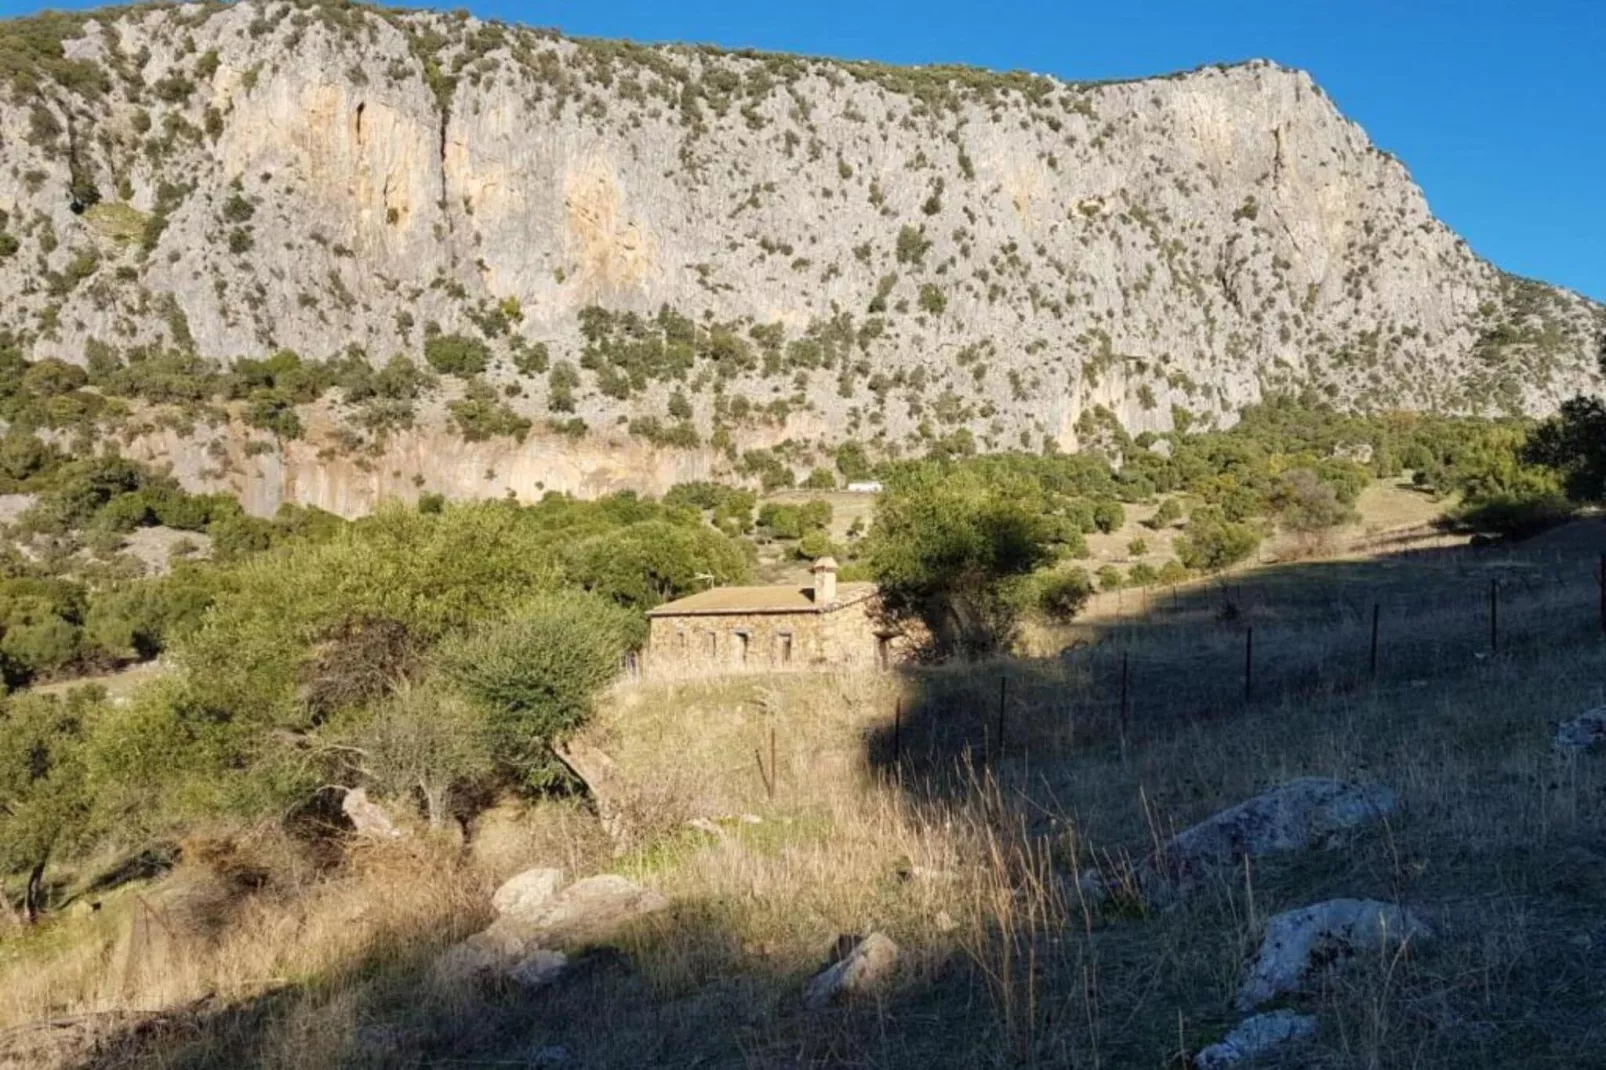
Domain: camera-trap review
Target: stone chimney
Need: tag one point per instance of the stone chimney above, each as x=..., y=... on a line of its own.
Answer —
x=824, y=581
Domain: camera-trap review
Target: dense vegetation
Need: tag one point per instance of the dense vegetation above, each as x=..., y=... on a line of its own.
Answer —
x=431, y=653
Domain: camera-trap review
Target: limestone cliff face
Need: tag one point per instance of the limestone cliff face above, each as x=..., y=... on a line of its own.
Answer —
x=920, y=251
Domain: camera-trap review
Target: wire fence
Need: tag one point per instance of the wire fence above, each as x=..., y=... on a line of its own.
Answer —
x=1214, y=649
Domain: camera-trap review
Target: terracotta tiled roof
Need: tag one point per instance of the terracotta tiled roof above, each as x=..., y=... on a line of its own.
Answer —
x=777, y=599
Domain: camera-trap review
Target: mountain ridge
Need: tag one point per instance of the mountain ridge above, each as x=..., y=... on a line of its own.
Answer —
x=628, y=238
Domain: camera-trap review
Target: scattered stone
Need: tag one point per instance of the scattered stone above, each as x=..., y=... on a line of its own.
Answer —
x=707, y=827
x=1300, y=942
x=367, y=817
x=945, y=922
x=586, y=912
x=1304, y=814
x=862, y=969
x=1256, y=1037
x=1584, y=732
x=528, y=891
x=540, y=969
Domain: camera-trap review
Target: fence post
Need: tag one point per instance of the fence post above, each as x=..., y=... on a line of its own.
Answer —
x=1376, y=607
x=1125, y=706
x=1494, y=616
x=897, y=730
x=1601, y=576
x=775, y=771
x=1249, y=662
x=1003, y=684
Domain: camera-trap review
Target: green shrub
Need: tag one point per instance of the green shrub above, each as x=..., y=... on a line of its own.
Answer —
x=1061, y=595
x=1213, y=543
x=950, y=550
x=536, y=673
x=1108, y=515
x=1169, y=512
x=1110, y=578
x=1142, y=574
x=456, y=354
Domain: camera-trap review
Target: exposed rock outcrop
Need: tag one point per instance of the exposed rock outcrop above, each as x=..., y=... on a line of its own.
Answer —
x=528, y=892
x=532, y=946
x=1309, y=813
x=1257, y=1037
x=866, y=967
x=1300, y=943
x=1018, y=257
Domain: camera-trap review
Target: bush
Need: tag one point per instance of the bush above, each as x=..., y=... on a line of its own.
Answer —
x=1137, y=547
x=1142, y=574
x=1110, y=578
x=1108, y=515
x=1213, y=543
x=1172, y=572
x=950, y=550
x=1304, y=503
x=456, y=354
x=814, y=545
x=535, y=673
x=1061, y=595
x=1169, y=512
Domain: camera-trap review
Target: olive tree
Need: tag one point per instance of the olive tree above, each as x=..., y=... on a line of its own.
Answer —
x=950, y=550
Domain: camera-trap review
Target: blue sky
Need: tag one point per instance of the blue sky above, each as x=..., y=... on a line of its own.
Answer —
x=1498, y=107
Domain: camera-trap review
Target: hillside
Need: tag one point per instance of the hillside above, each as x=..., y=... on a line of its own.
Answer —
x=715, y=251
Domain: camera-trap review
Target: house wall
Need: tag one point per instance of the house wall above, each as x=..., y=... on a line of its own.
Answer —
x=714, y=643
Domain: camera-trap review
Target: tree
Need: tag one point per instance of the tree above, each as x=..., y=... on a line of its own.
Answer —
x=1306, y=504
x=1169, y=512
x=44, y=802
x=1061, y=595
x=950, y=549
x=1108, y=515
x=1213, y=542
x=535, y=673
x=424, y=741
x=1573, y=444
x=644, y=564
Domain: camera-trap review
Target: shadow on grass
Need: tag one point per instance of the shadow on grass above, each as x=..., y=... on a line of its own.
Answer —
x=1251, y=641
x=674, y=991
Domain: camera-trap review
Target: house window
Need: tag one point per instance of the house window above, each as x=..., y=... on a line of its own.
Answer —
x=680, y=640
x=783, y=648
x=710, y=643
x=742, y=639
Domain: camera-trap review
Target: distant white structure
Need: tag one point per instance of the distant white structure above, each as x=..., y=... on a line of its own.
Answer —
x=867, y=487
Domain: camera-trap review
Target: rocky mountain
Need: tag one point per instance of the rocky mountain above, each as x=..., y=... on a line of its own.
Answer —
x=682, y=247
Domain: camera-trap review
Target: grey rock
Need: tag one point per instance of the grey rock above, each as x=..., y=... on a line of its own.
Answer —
x=1303, y=814
x=367, y=817
x=1584, y=732
x=528, y=891
x=867, y=966
x=1186, y=241
x=1256, y=1037
x=540, y=968
x=1309, y=813
x=1299, y=942
x=587, y=912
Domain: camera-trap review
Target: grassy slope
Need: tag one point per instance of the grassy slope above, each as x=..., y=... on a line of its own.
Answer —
x=961, y=859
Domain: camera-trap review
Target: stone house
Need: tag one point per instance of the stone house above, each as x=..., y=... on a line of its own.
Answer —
x=762, y=629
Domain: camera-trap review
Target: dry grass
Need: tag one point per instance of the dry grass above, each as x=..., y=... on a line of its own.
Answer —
x=962, y=848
